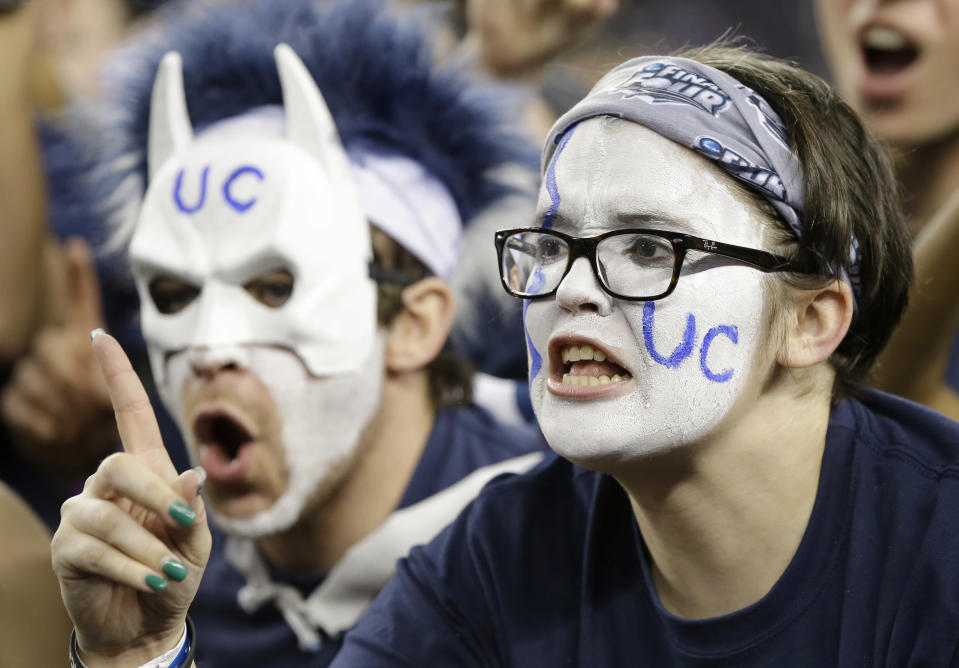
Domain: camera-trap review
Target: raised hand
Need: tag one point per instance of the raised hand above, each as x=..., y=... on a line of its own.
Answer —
x=56, y=404
x=131, y=548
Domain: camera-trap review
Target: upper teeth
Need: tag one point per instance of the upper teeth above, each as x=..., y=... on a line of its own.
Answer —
x=582, y=353
x=887, y=39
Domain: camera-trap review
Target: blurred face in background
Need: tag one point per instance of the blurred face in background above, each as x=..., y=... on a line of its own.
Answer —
x=897, y=63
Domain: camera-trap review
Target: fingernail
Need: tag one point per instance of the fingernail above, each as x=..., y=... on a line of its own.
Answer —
x=174, y=569
x=94, y=333
x=156, y=582
x=182, y=513
x=201, y=478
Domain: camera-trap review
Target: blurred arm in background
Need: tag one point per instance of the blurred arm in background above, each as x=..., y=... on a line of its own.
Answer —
x=55, y=418
x=23, y=237
x=33, y=622
x=920, y=360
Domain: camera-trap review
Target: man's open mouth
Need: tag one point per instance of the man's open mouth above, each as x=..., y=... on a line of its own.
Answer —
x=223, y=432
x=586, y=364
x=887, y=51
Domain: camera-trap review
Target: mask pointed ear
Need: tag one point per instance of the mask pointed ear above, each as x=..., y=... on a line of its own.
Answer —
x=170, y=128
x=309, y=123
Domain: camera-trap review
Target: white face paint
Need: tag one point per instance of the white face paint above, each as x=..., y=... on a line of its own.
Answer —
x=690, y=354
x=322, y=420
x=297, y=380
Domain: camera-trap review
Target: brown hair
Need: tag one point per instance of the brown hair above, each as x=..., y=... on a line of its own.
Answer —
x=851, y=192
x=450, y=376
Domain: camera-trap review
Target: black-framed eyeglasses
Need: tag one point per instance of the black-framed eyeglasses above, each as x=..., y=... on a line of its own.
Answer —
x=632, y=264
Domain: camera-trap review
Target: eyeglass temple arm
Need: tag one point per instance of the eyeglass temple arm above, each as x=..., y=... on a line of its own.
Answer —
x=760, y=259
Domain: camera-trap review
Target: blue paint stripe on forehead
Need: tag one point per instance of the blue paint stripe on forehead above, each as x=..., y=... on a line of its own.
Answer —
x=551, y=187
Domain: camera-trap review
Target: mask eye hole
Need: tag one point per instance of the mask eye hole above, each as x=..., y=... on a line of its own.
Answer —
x=271, y=289
x=171, y=295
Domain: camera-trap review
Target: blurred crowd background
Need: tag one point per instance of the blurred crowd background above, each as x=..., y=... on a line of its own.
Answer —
x=76, y=34
x=53, y=51
x=785, y=30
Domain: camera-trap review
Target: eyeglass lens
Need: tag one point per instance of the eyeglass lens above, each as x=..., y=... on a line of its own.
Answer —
x=633, y=264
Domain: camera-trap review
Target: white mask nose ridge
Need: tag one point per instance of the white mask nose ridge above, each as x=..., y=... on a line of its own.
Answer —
x=223, y=318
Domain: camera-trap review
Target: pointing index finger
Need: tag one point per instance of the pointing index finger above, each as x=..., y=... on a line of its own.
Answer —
x=136, y=420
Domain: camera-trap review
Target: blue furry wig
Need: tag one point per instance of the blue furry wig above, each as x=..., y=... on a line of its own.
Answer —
x=376, y=70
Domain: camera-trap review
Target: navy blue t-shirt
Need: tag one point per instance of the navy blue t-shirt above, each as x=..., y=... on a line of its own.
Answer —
x=463, y=440
x=549, y=569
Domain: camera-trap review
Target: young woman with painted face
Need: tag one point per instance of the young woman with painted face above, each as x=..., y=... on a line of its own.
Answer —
x=897, y=64
x=718, y=257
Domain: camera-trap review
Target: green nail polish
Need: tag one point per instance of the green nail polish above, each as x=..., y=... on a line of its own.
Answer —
x=155, y=582
x=94, y=333
x=182, y=513
x=174, y=569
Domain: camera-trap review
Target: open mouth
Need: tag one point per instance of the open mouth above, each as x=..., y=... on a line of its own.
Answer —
x=587, y=365
x=887, y=51
x=222, y=435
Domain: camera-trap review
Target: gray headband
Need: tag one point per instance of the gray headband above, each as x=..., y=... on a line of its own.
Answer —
x=715, y=115
x=706, y=110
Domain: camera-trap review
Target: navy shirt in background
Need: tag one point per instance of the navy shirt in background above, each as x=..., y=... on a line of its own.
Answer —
x=463, y=439
x=549, y=569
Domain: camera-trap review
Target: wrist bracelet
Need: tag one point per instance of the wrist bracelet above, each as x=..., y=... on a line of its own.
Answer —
x=183, y=658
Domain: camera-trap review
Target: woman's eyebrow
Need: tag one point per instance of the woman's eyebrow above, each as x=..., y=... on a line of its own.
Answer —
x=659, y=220
x=655, y=220
x=555, y=220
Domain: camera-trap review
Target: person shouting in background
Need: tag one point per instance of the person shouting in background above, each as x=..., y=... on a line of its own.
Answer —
x=897, y=64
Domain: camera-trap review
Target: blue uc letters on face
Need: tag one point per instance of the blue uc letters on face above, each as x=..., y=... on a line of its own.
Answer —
x=239, y=173
x=684, y=348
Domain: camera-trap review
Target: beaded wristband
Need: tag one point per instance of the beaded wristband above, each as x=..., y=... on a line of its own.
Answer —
x=183, y=658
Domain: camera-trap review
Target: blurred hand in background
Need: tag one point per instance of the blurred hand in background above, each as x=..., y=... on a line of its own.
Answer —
x=56, y=405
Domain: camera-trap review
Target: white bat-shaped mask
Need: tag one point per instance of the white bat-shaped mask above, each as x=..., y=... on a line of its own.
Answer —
x=234, y=203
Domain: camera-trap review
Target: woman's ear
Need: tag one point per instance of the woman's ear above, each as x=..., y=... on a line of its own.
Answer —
x=419, y=331
x=817, y=323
